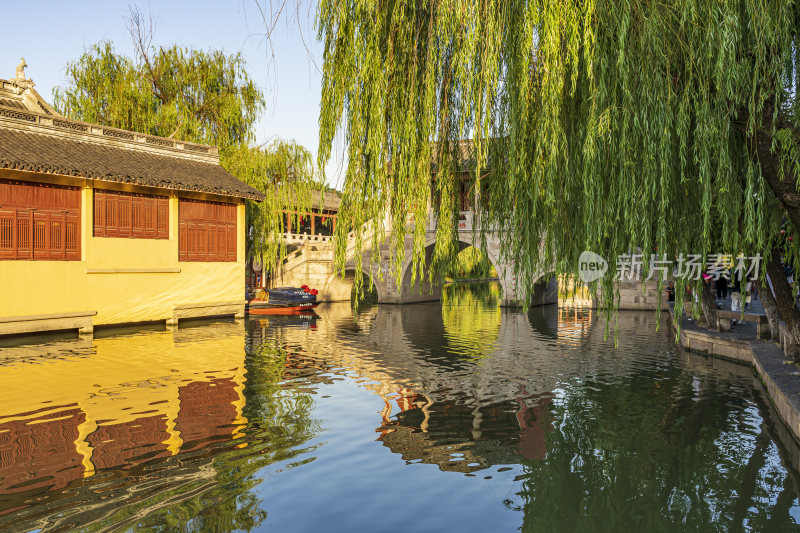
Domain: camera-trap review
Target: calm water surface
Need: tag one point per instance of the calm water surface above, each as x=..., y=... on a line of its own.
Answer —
x=458, y=416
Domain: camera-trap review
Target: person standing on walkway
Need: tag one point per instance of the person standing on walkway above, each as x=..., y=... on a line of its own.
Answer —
x=748, y=295
x=736, y=295
x=722, y=287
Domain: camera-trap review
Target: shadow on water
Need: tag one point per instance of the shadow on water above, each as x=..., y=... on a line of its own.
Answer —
x=300, y=422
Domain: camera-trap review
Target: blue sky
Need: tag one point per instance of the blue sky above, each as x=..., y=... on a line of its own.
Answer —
x=51, y=33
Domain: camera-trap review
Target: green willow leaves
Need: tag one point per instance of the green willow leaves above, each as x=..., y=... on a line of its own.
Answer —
x=284, y=171
x=604, y=126
x=203, y=97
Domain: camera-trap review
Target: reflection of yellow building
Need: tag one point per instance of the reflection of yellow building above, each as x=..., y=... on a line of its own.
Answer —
x=102, y=226
x=117, y=402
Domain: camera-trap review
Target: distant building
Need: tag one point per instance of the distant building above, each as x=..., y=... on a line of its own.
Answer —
x=105, y=226
x=314, y=226
x=320, y=221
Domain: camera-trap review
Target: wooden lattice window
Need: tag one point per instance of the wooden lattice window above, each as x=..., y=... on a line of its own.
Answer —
x=207, y=231
x=130, y=215
x=39, y=221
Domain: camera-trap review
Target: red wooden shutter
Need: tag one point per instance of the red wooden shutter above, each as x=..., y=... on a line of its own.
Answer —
x=99, y=214
x=207, y=231
x=202, y=246
x=24, y=233
x=183, y=240
x=124, y=214
x=231, y=242
x=7, y=244
x=194, y=237
x=149, y=218
x=162, y=218
x=137, y=217
x=129, y=215
x=72, y=242
x=211, y=251
x=111, y=215
x=220, y=242
x=33, y=221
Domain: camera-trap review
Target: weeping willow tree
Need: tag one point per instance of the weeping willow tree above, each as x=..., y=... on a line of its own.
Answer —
x=285, y=172
x=666, y=127
x=195, y=96
x=191, y=95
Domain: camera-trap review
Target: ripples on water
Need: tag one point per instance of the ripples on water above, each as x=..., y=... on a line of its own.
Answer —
x=430, y=417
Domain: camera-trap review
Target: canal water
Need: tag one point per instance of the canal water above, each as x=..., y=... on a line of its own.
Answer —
x=453, y=416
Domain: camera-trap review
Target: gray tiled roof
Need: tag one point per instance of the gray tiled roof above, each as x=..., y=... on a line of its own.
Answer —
x=31, y=151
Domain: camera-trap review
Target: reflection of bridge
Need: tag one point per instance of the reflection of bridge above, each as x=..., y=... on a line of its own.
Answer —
x=403, y=348
x=312, y=264
x=442, y=400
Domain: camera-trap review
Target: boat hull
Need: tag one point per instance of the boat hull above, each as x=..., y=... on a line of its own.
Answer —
x=283, y=301
x=280, y=310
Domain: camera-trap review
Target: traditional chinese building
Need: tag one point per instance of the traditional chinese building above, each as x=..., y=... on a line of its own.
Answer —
x=104, y=226
x=312, y=226
x=319, y=221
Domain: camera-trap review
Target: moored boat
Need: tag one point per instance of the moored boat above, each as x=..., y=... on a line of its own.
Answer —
x=283, y=300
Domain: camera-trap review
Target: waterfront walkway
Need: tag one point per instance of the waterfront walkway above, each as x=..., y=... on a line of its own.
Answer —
x=740, y=329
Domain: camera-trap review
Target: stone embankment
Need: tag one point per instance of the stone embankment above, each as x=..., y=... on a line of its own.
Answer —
x=743, y=343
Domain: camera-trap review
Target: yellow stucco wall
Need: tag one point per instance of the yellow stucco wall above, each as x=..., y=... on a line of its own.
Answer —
x=51, y=287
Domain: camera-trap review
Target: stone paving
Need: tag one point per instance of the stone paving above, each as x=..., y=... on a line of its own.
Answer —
x=741, y=330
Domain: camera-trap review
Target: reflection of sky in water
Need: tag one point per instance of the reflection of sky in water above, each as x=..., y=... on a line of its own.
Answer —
x=453, y=416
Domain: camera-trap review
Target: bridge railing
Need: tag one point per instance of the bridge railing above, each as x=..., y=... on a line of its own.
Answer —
x=466, y=221
x=302, y=238
x=296, y=259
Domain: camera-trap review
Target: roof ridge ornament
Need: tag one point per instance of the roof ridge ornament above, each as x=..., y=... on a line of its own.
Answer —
x=20, y=80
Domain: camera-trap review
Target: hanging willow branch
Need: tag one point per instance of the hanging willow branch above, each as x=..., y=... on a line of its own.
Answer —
x=284, y=172
x=612, y=127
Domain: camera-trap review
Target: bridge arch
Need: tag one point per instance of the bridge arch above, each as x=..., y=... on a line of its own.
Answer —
x=414, y=292
x=314, y=265
x=338, y=288
x=545, y=288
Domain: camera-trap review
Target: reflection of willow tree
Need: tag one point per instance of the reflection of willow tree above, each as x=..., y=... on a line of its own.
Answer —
x=653, y=455
x=278, y=424
x=471, y=317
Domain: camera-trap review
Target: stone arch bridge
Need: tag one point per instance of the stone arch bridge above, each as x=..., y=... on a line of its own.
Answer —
x=313, y=264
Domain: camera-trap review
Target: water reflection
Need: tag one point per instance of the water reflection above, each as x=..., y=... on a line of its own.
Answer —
x=534, y=418
x=149, y=420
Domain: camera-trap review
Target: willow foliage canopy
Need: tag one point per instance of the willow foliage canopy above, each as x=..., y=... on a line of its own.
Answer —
x=607, y=126
x=203, y=97
x=285, y=172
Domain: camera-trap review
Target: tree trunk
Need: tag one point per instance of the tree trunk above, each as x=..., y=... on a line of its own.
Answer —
x=769, y=161
x=771, y=310
x=709, y=306
x=784, y=297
